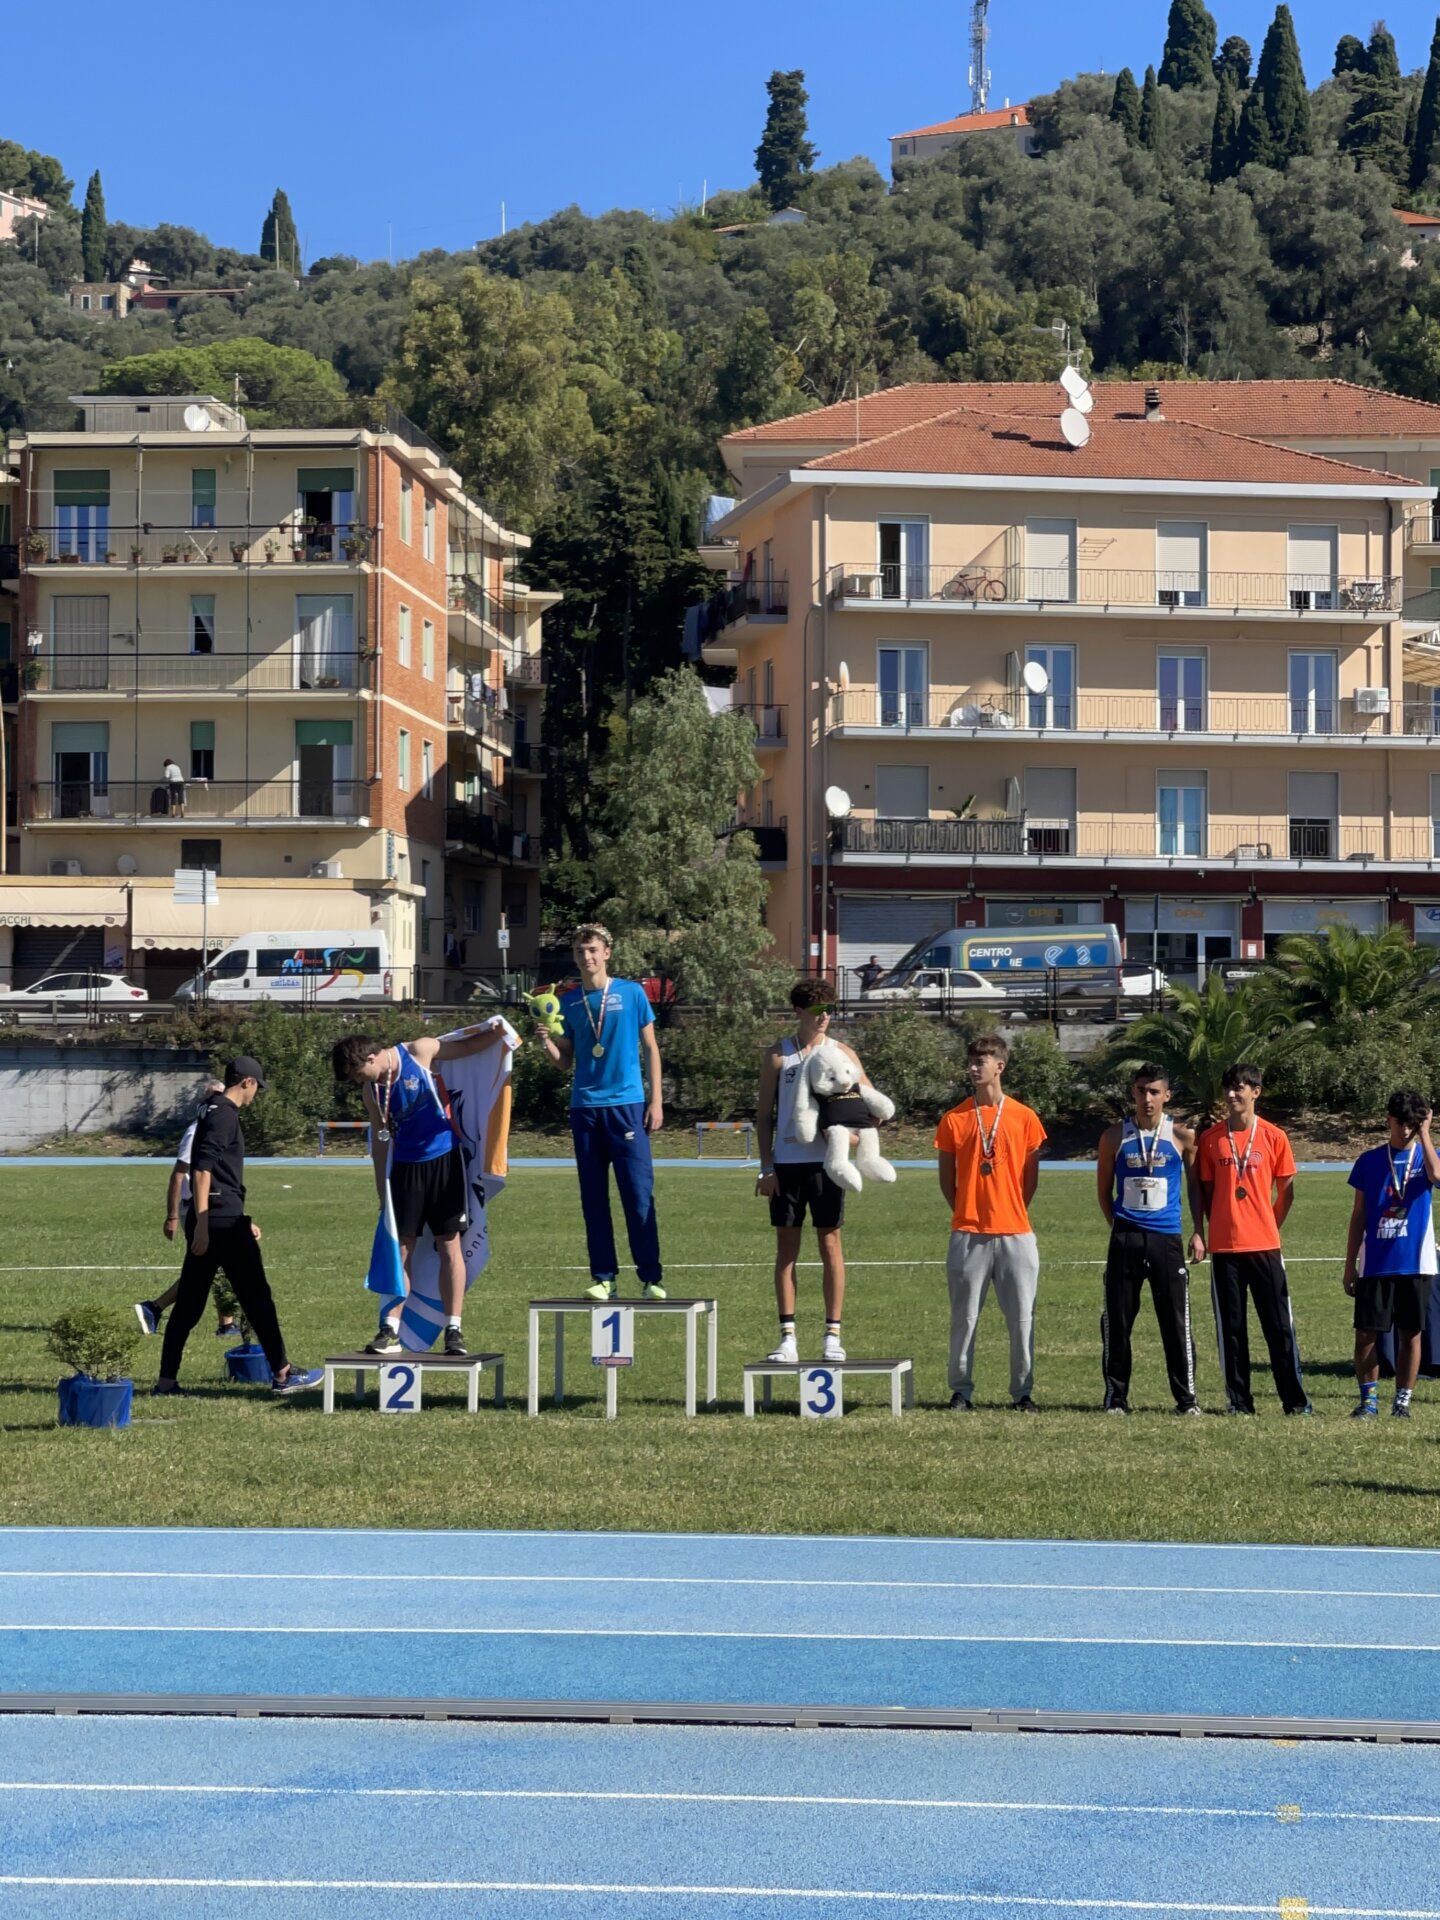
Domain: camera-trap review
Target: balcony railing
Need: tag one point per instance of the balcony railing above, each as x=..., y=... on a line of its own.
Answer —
x=1108, y=838
x=531, y=756
x=483, y=833
x=770, y=723
x=944, y=838
x=225, y=670
x=746, y=599
x=464, y=711
x=283, y=544
x=1100, y=714
x=525, y=669
x=1423, y=529
x=468, y=597
x=1102, y=588
x=138, y=802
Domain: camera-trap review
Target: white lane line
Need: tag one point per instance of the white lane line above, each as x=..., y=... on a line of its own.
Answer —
x=873, y=1896
x=710, y=1799
x=737, y=1633
x=727, y=1580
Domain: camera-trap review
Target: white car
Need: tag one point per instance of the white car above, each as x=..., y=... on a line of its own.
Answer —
x=1140, y=981
x=953, y=984
x=71, y=996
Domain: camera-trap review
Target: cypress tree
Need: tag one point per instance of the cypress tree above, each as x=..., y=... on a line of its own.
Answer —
x=1234, y=59
x=1125, y=107
x=1150, y=112
x=1275, y=125
x=92, y=230
x=1189, y=53
x=1425, y=147
x=784, y=156
x=1374, y=132
x=1349, y=55
x=1254, y=143
x=279, y=242
x=1222, y=133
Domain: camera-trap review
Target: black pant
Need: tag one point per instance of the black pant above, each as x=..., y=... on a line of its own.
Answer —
x=1138, y=1254
x=235, y=1252
x=1262, y=1277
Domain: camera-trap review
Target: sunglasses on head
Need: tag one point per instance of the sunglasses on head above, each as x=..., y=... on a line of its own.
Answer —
x=827, y=1009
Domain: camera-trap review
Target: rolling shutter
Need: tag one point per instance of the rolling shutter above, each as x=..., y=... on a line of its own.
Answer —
x=888, y=925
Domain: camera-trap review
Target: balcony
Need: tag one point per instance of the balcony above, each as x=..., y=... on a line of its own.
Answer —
x=127, y=671
x=1423, y=529
x=471, y=607
x=146, y=803
x=56, y=550
x=771, y=840
x=1220, y=717
x=525, y=670
x=1099, y=590
x=742, y=601
x=943, y=839
x=482, y=833
x=467, y=714
x=1100, y=840
x=9, y=563
x=770, y=724
x=531, y=759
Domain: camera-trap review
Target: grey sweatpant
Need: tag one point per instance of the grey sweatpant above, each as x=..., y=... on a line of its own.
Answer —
x=1011, y=1262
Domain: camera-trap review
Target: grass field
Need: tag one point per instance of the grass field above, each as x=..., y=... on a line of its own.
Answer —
x=234, y=1456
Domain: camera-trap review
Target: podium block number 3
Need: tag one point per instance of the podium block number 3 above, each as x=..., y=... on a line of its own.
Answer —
x=820, y=1394
x=612, y=1337
x=399, y=1389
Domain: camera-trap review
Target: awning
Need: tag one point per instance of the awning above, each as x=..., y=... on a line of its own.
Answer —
x=160, y=923
x=1420, y=662
x=36, y=905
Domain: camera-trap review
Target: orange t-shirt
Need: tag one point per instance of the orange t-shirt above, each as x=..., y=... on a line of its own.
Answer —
x=1248, y=1225
x=990, y=1203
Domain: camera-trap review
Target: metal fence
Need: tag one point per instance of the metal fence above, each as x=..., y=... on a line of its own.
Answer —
x=1226, y=592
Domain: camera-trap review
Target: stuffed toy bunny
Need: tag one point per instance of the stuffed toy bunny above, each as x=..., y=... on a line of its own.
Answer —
x=829, y=1099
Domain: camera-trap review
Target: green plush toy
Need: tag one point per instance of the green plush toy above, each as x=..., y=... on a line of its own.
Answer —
x=546, y=1009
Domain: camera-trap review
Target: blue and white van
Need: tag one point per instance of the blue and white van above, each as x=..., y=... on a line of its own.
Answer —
x=1000, y=963
x=301, y=969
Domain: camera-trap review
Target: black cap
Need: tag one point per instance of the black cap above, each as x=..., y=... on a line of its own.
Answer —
x=245, y=1067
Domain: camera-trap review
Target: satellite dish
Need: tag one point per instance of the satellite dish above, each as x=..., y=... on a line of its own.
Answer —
x=126, y=864
x=1074, y=382
x=197, y=419
x=1036, y=679
x=1075, y=427
x=1084, y=401
x=842, y=677
x=837, y=802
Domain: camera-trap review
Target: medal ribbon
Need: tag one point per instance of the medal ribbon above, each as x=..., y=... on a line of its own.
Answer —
x=1400, y=1181
x=597, y=1031
x=987, y=1145
x=385, y=1107
x=1242, y=1160
x=1150, y=1152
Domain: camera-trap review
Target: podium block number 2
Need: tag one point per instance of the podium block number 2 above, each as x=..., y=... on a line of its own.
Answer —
x=612, y=1337
x=399, y=1389
x=820, y=1394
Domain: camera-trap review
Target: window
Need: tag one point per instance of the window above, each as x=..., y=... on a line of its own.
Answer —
x=107, y=301
x=903, y=678
x=325, y=750
x=201, y=853
x=427, y=767
x=1180, y=570
x=80, y=639
x=515, y=902
x=428, y=530
x=202, y=497
x=84, y=303
x=82, y=513
x=1314, y=815
x=407, y=524
x=1055, y=707
x=904, y=559
x=202, y=623
x=1049, y=809
x=1181, y=815
x=427, y=649
x=902, y=793
x=327, y=509
x=767, y=803
x=325, y=640
x=767, y=673
x=402, y=762
x=80, y=766
x=1182, y=692
x=1311, y=566
x=901, y=147
x=404, y=636
x=425, y=907
x=1313, y=678
x=473, y=908
x=1049, y=559
x=202, y=750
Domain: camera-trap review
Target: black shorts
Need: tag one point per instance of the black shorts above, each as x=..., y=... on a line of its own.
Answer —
x=431, y=1193
x=805, y=1184
x=1386, y=1300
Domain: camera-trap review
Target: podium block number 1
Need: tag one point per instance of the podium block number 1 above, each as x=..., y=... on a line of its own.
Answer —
x=399, y=1389
x=820, y=1394
x=612, y=1337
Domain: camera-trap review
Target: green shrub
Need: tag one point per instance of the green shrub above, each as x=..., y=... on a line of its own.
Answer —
x=539, y=1091
x=712, y=1065
x=917, y=1060
x=1041, y=1075
x=96, y=1341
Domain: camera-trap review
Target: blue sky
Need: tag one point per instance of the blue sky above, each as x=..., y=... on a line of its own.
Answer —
x=196, y=115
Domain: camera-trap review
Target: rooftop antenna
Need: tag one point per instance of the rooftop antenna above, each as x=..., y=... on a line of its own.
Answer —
x=979, y=42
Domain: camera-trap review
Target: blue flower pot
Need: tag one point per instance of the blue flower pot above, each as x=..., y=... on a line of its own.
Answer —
x=94, y=1403
x=249, y=1365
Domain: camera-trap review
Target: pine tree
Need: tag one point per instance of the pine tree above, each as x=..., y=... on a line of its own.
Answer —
x=1125, y=107
x=1189, y=46
x=1425, y=147
x=784, y=156
x=1222, y=133
x=92, y=231
x=279, y=242
x=1275, y=125
x=1150, y=129
x=1349, y=55
x=1234, y=59
x=1374, y=132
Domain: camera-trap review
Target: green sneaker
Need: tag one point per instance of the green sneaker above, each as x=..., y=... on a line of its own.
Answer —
x=602, y=1290
x=653, y=1291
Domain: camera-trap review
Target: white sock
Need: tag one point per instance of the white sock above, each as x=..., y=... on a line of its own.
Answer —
x=452, y=1320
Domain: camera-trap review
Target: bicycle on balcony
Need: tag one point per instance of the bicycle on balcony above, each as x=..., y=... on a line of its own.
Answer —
x=974, y=583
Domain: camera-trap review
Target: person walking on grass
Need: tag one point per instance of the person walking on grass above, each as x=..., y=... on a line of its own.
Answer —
x=792, y=1172
x=609, y=1027
x=1246, y=1183
x=989, y=1165
x=177, y=1200
x=415, y=1149
x=222, y=1238
x=1390, y=1257
x=1144, y=1161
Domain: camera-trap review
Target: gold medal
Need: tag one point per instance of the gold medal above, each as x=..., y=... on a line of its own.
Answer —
x=597, y=1052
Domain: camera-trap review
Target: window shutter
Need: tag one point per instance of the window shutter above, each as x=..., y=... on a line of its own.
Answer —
x=323, y=733
x=202, y=487
x=1314, y=796
x=202, y=735
x=78, y=488
x=325, y=480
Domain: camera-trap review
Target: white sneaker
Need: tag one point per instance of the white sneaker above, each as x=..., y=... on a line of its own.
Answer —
x=787, y=1353
x=833, y=1348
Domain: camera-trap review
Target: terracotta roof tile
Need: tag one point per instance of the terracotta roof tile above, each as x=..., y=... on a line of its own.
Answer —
x=1018, y=116
x=1416, y=219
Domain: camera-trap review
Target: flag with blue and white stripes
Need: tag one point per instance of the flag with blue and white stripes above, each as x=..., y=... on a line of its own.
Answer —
x=387, y=1270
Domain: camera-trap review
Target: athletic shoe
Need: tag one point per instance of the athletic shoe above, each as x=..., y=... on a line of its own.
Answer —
x=455, y=1348
x=1397, y=1412
x=226, y=1330
x=147, y=1316
x=1299, y=1413
x=833, y=1349
x=959, y=1404
x=787, y=1354
x=300, y=1380
x=1196, y=1413
x=158, y=1392
x=1367, y=1410
x=602, y=1290
x=1027, y=1405
x=1118, y=1406
x=385, y=1341
x=652, y=1290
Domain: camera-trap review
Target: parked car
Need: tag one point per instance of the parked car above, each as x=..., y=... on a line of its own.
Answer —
x=1241, y=973
x=71, y=996
x=1140, y=981
x=950, y=985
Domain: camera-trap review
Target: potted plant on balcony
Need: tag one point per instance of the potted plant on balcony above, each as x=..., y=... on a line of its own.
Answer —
x=70, y=558
x=356, y=544
x=137, y=554
x=238, y=551
x=30, y=673
x=97, y=1344
x=328, y=680
x=36, y=546
x=169, y=556
x=109, y=559
x=271, y=548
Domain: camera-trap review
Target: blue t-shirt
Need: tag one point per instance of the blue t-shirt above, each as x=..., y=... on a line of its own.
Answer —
x=419, y=1124
x=1400, y=1241
x=614, y=1079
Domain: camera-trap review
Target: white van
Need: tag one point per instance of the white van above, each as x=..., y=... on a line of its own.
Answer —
x=311, y=969
x=992, y=963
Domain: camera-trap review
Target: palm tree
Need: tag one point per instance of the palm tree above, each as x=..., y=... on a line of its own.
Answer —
x=1338, y=977
x=1195, y=1040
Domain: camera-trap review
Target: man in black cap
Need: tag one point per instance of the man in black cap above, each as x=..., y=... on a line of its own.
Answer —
x=222, y=1238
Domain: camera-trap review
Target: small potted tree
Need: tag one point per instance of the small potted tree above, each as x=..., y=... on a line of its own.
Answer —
x=245, y=1363
x=36, y=546
x=30, y=673
x=97, y=1343
x=238, y=551
x=356, y=544
x=169, y=556
x=272, y=547
x=137, y=554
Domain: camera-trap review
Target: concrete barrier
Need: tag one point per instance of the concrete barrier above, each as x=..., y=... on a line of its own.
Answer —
x=51, y=1090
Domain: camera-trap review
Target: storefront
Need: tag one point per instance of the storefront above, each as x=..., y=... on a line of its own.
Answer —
x=1184, y=938
x=888, y=925
x=1427, y=926
x=55, y=926
x=1283, y=917
x=1045, y=913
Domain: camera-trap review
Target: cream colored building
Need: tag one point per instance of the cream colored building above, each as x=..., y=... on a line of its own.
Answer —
x=1181, y=678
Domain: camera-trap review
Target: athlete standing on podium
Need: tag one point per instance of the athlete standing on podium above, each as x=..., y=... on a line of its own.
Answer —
x=608, y=1027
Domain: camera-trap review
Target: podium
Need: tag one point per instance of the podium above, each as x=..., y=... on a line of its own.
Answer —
x=471, y=1364
x=901, y=1375
x=693, y=1311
